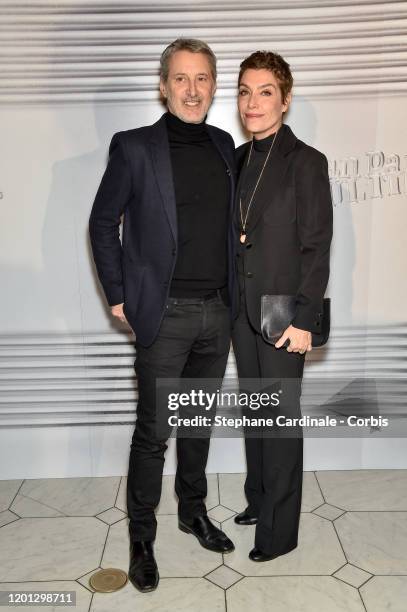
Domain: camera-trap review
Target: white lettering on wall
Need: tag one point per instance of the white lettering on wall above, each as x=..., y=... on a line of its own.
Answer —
x=373, y=175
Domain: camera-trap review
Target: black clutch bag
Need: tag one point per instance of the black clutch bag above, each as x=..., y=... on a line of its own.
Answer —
x=278, y=311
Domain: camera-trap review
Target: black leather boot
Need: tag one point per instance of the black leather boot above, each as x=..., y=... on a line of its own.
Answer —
x=143, y=570
x=257, y=555
x=245, y=518
x=208, y=535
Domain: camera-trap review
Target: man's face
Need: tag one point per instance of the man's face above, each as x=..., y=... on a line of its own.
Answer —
x=190, y=87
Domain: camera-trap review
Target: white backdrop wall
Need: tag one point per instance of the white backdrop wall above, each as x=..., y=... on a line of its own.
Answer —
x=72, y=74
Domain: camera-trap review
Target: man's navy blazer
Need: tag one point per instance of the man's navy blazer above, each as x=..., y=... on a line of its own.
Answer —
x=138, y=184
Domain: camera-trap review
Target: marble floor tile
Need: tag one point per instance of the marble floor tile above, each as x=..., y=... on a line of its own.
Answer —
x=50, y=548
x=116, y=552
x=311, y=494
x=231, y=489
x=84, y=580
x=293, y=594
x=8, y=490
x=29, y=508
x=223, y=576
x=220, y=513
x=57, y=552
x=352, y=575
x=172, y=595
x=329, y=512
x=178, y=554
x=111, y=516
x=74, y=496
x=169, y=501
x=83, y=596
x=318, y=551
x=385, y=593
x=365, y=489
x=7, y=517
x=375, y=541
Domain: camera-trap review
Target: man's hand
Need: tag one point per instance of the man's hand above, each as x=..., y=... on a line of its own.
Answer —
x=300, y=340
x=117, y=311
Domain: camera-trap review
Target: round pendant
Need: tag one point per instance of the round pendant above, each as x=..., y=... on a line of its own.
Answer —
x=242, y=238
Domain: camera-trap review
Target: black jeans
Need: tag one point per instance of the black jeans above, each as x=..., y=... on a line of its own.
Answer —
x=193, y=342
x=273, y=484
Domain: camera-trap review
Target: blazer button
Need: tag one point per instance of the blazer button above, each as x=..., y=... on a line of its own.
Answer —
x=317, y=323
x=249, y=274
x=228, y=171
x=174, y=251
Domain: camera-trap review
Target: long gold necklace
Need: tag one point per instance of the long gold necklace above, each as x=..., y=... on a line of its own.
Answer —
x=243, y=222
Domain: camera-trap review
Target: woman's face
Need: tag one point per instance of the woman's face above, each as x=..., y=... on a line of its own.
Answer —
x=260, y=102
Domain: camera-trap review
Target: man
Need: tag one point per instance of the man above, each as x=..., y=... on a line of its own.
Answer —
x=171, y=278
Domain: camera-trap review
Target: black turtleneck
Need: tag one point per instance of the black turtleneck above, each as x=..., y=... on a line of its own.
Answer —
x=251, y=172
x=201, y=187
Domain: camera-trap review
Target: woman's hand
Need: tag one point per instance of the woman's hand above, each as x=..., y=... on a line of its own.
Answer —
x=300, y=340
x=117, y=311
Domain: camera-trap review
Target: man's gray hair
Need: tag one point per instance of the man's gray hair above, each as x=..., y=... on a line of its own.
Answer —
x=186, y=44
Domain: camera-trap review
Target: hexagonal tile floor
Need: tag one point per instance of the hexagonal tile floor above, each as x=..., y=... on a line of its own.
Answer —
x=318, y=552
x=294, y=594
x=351, y=554
x=365, y=489
x=70, y=496
x=52, y=549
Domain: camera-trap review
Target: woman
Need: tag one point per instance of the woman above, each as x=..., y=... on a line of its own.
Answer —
x=284, y=219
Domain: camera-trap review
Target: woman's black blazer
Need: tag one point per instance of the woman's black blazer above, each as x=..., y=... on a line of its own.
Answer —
x=289, y=230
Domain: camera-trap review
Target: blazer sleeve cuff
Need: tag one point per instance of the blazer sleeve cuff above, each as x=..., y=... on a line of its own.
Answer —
x=308, y=317
x=115, y=296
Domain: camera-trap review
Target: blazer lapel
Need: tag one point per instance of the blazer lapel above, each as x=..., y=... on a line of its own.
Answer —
x=160, y=152
x=217, y=141
x=273, y=175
